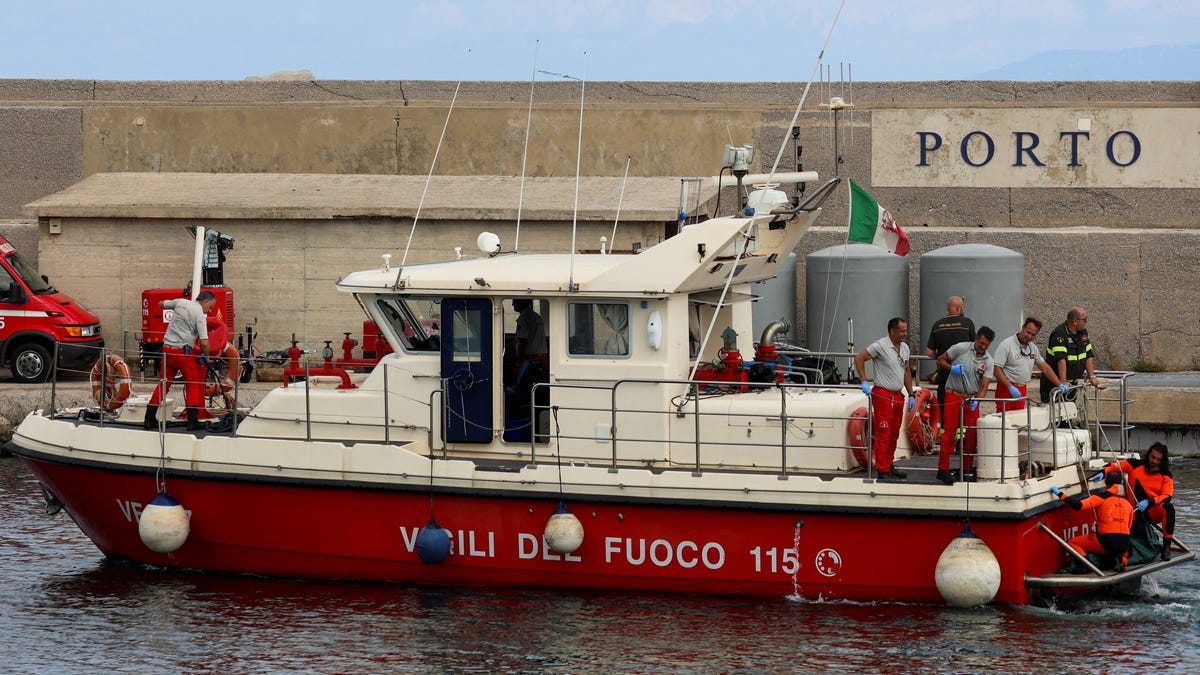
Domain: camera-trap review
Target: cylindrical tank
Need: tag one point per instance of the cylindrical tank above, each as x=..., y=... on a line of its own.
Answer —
x=853, y=281
x=998, y=450
x=777, y=299
x=990, y=279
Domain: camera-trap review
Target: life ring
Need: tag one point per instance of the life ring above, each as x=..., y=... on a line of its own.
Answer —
x=111, y=382
x=920, y=423
x=230, y=354
x=856, y=432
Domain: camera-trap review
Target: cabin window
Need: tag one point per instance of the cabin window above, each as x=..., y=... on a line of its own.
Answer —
x=415, y=322
x=598, y=329
x=467, y=326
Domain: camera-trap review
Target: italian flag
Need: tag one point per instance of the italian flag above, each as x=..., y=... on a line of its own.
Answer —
x=870, y=223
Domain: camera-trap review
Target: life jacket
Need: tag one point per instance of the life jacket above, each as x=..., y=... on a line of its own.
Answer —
x=1114, y=514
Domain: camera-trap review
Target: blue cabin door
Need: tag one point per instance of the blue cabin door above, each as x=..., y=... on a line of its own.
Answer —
x=467, y=370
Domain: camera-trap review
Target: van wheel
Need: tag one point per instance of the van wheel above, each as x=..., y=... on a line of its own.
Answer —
x=31, y=363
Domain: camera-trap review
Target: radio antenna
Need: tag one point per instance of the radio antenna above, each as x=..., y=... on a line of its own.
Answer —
x=816, y=69
x=525, y=155
x=578, y=162
x=428, y=178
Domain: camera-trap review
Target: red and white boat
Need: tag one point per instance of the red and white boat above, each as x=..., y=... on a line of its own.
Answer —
x=679, y=478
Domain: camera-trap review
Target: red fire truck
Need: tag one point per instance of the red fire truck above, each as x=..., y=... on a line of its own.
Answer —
x=34, y=316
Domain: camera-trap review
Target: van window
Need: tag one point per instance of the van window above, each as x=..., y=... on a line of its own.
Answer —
x=6, y=286
x=598, y=329
x=29, y=275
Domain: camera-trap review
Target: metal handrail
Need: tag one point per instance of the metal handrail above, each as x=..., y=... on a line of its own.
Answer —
x=614, y=411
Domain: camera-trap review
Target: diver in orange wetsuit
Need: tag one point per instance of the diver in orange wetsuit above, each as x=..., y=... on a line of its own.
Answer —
x=1153, y=486
x=1114, y=518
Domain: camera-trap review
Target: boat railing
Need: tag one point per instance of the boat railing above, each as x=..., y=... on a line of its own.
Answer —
x=701, y=400
x=611, y=404
x=620, y=419
x=1112, y=438
x=219, y=390
x=815, y=375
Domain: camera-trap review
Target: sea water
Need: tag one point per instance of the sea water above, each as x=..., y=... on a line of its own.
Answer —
x=64, y=609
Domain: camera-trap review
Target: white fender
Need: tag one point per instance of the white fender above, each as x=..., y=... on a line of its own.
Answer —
x=967, y=573
x=164, y=524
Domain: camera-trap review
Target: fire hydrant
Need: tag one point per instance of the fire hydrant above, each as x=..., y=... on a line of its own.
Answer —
x=294, y=353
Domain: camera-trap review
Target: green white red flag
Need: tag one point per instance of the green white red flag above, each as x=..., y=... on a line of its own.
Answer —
x=870, y=223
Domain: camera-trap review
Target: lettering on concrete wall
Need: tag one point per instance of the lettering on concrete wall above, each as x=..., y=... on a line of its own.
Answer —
x=1036, y=147
x=1025, y=146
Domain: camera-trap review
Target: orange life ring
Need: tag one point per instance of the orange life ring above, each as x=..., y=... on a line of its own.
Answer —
x=920, y=424
x=230, y=354
x=856, y=431
x=111, y=382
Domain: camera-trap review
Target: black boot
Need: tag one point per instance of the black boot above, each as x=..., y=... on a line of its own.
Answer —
x=193, y=420
x=946, y=476
x=1166, y=550
x=151, y=421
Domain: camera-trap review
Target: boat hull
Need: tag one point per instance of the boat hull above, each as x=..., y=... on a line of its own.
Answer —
x=332, y=531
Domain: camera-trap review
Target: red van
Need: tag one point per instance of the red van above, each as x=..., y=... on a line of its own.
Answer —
x=34, y=315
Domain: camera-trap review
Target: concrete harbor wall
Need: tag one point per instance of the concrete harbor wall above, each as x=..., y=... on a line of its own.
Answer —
x=1112, y=227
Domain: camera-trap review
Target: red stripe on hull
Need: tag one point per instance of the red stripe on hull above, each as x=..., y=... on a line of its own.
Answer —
x=332, y=533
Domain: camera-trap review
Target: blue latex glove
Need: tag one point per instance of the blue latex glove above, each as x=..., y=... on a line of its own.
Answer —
x=1143, y=505
x=1098, y=477
x=1064, y=388
x=866, y=387
x=1013, y=392
x=973, y=405
x=202, y=360
x=1054, y=490
x=912, y=403
x=958, y=369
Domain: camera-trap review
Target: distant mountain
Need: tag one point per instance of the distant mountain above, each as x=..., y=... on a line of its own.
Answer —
x=1138, y=63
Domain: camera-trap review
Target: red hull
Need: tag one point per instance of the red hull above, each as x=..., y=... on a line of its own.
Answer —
x=359, y=533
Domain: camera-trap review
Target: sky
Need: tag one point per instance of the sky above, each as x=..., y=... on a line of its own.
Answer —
x=597, y=40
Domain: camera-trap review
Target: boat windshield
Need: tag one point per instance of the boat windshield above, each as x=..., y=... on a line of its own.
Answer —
x=415, y=322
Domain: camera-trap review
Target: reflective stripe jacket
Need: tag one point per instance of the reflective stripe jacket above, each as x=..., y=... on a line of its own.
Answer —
x=1074, y=347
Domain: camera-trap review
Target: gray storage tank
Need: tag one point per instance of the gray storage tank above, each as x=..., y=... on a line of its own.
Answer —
x=990, y=279
x=853, y=281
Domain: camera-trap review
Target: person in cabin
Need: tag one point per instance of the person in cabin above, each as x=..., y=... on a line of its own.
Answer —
x=1070, y=353
x=1015, y=357
x=893, y=379
x=1152, y=488
x=531, y=330
x=1114, y=518
x=188, y=325
x=944, y=334
x=970, y=368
